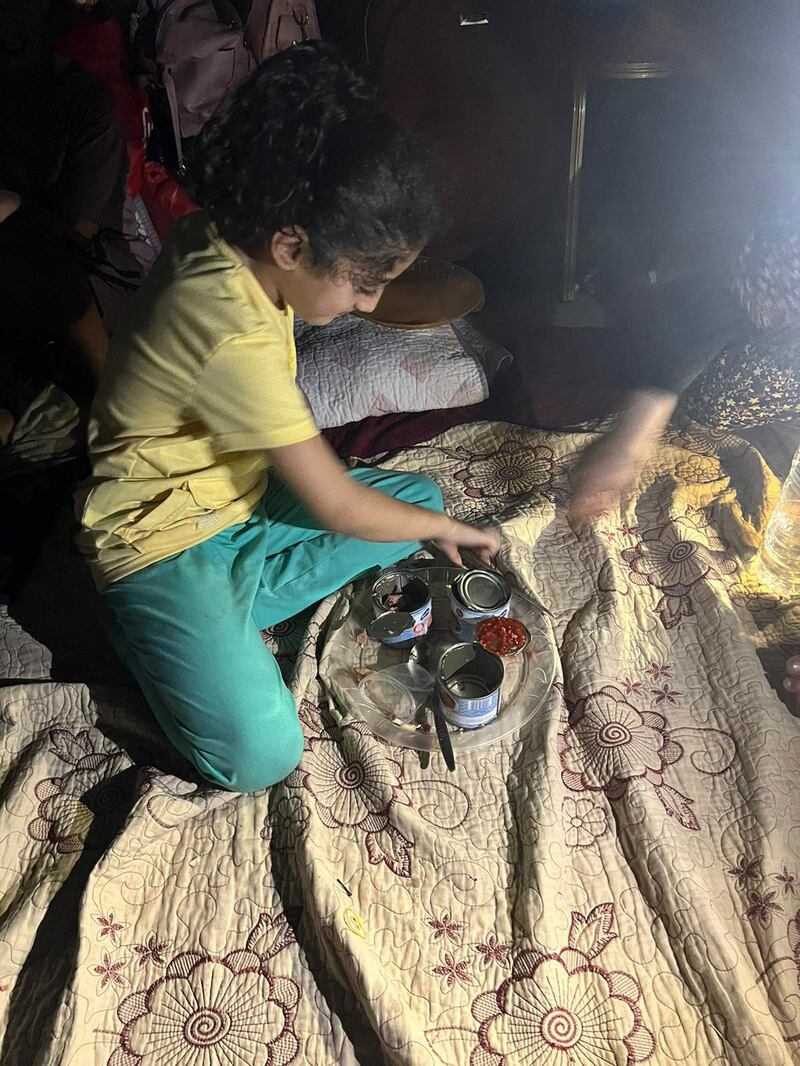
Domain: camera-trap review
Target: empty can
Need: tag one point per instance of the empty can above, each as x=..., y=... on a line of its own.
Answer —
x=475, y=595
x=414, y=598
x=469, y=680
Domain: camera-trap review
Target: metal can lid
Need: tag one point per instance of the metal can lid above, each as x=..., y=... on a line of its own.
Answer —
x=481, y=590
x=390, y=625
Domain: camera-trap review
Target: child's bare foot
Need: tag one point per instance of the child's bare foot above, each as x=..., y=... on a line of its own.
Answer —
x=6, y=426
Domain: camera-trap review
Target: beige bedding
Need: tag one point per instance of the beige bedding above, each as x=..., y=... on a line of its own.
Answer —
x=618, y=884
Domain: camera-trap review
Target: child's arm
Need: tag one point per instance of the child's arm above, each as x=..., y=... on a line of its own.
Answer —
x=343, y=505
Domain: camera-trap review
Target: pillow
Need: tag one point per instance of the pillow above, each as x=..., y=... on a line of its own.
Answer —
x=353, y=369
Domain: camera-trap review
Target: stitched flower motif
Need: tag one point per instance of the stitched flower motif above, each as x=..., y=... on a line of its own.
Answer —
x=670, y=558
x=453, y=972
x=88, y=790
x=584, y=822
x=351, y=781
x=109, y=973
x=444, y=928
x=762, y=907
x=609, y=742
x=285, y=823
x=108, y=927
x=514, y=469
x=788, y=881
x=746, y=870
x=210, y=1011
x=492, y=951
x=151, y=951
x=564, y=1009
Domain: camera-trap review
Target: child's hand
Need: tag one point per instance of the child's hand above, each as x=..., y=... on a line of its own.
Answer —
x=486, y=543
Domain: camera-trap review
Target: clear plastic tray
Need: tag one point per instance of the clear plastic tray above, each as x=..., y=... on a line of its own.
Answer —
x=351, y=656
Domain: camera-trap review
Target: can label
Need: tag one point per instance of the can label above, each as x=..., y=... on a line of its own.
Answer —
x=468, y=684
x=408, y=595
x=493, y=601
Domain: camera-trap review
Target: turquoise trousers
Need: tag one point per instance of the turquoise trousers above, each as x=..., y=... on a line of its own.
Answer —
x=189, y=627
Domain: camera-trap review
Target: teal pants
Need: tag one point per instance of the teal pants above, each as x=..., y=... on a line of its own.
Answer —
x=188, y=628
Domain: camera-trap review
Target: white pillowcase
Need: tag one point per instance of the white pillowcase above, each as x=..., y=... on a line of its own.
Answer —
x=352, y=369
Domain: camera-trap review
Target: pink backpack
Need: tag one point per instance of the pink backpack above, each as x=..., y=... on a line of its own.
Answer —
x=200, y=50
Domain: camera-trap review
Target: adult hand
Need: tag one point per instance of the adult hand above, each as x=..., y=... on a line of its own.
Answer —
x=605, y=475
x=610, y=468
x=486, y=543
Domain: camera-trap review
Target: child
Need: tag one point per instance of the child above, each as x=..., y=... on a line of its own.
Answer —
x=313, y=201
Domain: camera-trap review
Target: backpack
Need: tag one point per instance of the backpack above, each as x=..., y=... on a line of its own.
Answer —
x=195, y=51
x=277, y=24
x=198, y=51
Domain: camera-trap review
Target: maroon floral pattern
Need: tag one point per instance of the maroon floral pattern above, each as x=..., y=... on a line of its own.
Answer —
x=70, y=802
x=493, y=952
x=151, y=952
x=109, y=973
x=746, y=870
x=511, y=471
x=108, y=927
x=355, y=786
x=444, y=900
x=673, y=560
x=444, y=928
x=212, y=1011
x=608, y=742
x=787, y=881
x=665, y=694
x=564, y=1008
x=453, y=972
x=762, y=907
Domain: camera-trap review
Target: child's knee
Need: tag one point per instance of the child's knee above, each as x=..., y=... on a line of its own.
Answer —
x=254, y=765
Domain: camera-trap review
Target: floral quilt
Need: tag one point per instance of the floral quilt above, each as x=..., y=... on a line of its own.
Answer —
x=618, y=883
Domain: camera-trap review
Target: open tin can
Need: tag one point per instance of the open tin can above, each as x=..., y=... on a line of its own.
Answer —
x=475, y=595
x=405, y=594
x=468, y=684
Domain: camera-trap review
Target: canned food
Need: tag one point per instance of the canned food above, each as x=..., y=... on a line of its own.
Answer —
x=475, y=595
x=469, y=680
x=404, y=594
x=502, y=636
x=395, y=628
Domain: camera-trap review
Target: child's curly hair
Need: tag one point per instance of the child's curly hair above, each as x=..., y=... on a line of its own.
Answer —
x=303, y=142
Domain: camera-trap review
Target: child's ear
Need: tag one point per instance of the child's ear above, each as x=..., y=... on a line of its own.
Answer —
x=288, y=247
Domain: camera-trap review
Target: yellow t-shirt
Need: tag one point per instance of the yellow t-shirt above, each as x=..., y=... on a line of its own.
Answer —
x=199, y=384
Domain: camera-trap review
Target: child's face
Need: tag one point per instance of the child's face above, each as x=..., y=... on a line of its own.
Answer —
x=319, y=298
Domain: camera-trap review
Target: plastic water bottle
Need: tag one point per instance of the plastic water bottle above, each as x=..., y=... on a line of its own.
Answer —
x=780, y=560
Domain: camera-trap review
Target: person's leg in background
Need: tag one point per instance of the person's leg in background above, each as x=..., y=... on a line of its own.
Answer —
x=305, y=563
x=184, y=629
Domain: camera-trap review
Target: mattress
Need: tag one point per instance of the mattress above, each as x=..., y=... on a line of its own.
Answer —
x=618, y=882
